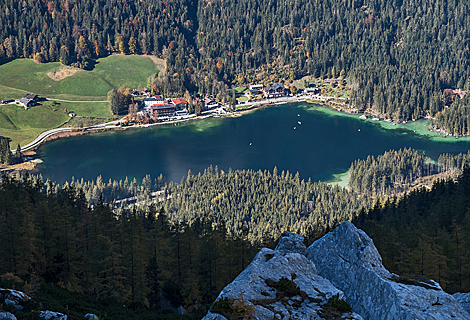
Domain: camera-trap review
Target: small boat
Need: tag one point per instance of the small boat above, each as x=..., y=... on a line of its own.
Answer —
x=295, y=128
x=299, y=122
x=358, y=129
x=298, y=115
x=251, y=143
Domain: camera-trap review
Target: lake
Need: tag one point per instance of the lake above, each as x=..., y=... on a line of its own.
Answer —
x=312, y=140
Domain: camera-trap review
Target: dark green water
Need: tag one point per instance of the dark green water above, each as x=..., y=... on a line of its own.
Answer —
x=322, y=145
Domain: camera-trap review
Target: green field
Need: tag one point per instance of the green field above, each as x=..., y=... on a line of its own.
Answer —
x=20, y=76
x=22, y=126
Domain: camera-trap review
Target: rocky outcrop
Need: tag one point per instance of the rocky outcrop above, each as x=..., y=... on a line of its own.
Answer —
x=279, y=284
x=51, y=315
x=349, y=259
x=13, y=298
x=463, y=299
x=7, y=316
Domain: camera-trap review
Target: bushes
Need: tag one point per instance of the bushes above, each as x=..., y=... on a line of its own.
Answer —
x=233, y=309
x=339, y=304
x=284, y=286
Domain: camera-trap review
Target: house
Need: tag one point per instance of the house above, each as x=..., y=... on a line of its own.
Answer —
x=460, y=93
x=32, y=96
x=452, y=93
x=163, y=110
x=332, y=81
x=26, y=103
x=256, y=87
x=312, y=91
x=254, y=92
x=29, y=100
x=180, y=103
x=274, y=91
x=148, y=102
x=210, y=103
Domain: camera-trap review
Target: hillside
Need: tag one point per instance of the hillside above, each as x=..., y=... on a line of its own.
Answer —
x=398, y=57
x=79, y=91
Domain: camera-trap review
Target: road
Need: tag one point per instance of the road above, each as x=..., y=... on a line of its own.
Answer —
x=112, y=124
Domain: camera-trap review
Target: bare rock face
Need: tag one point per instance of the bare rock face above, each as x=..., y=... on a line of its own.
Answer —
x=279, y=284
x=13, y=298
x=7, y=316
x=51, y=315
x=463, y=299
x=349, y=259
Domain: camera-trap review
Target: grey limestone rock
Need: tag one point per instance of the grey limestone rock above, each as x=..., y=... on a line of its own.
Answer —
x=51, y=315
x=13, y=298
x=255, y=285
x=7, y=316
x=291, y=242
x=349, y=259
x=463, y=299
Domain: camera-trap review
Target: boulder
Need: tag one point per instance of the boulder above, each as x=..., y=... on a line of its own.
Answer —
x=348, y=258
x=291, y=243
x=13, y=298
x=51, y=315
x=279, y=284
x=463, y=299
x=7, y=316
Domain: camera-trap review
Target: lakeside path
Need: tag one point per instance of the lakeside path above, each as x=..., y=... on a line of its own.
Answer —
x=242, y=108
x=112, y=125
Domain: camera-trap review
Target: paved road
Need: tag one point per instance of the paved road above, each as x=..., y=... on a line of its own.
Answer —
x=41, y=138
x=111, y=124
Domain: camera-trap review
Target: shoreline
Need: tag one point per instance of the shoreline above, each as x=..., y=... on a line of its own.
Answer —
x=420, y=127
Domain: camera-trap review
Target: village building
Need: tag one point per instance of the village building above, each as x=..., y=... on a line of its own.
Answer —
x=29, y=100
x=256, y=87
x=455, y=92
x=274, y=91
x=163, y=110
x=312, y=91
x=332, y=81
x=180, y=103
x=148, y=102
x=210, y=103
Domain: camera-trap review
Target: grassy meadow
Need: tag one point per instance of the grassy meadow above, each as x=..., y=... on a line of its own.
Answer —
x=53, y=80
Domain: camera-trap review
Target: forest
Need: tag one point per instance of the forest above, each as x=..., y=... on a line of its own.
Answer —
x=154, y=244
x=425, y=233
x=132, y=256
x=398, y=57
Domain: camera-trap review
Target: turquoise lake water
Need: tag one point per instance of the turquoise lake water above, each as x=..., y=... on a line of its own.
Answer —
x=322, y=144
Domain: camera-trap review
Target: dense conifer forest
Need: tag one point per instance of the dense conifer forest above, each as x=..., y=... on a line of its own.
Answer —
x=398, y=57
x=425, y=233
x=166, y=244
x=134, y=256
